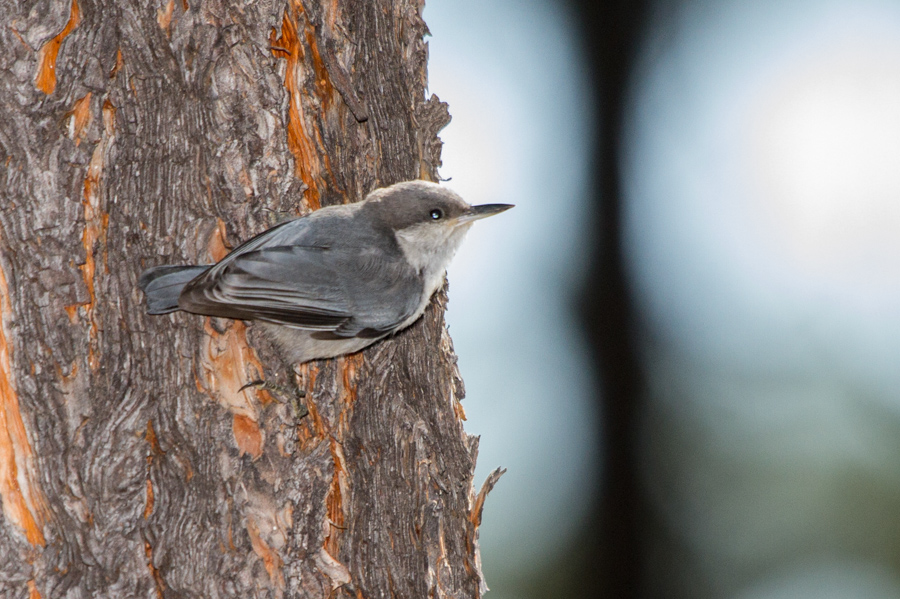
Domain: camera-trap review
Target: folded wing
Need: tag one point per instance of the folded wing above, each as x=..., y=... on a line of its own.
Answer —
x=337, y=293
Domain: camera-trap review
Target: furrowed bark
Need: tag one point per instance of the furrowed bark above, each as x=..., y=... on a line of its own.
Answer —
x=134, y=462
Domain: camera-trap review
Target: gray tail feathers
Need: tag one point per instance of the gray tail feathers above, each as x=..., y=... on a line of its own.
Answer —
x=163, y=284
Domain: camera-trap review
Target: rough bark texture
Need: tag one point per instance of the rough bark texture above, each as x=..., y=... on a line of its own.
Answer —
x=131, y=464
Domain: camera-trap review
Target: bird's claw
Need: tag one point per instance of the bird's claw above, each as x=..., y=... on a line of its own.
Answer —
x=279, y=392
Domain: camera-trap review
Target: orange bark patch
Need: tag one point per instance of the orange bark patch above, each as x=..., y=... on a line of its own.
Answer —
x=334, y=501
x=157, y=578
x=164, y=16
x=148, y=507
x=22, y=500
x=228, y=363
x=118, y=66
x=302, y=146
x=46, y=74
x=324, y=88
x=32, y=590
x=247, y=435
x=80, y=118
x=19, y=37
x=340, y=484
x=155, y=450
x=349, y=368
x=152, y=440
x=65, y=378
x=218, y=247
x=271, y=560
x=458, y=409
x=72, y=311
x=313, y=427
x=96, y=223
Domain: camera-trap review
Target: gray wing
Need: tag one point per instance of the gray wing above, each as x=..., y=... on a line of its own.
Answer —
x=338, y=292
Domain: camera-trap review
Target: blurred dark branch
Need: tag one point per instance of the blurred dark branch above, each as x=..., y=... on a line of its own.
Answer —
x=611, y=31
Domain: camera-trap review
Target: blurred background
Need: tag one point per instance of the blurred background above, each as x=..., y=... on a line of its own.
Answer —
x=684, y=342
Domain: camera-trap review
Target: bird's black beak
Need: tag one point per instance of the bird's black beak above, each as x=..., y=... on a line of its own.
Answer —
x=483, y=211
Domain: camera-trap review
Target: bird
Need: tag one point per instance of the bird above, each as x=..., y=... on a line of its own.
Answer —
x=334, y=281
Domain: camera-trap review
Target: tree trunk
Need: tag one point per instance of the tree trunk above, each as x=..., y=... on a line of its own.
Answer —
x=131, y=462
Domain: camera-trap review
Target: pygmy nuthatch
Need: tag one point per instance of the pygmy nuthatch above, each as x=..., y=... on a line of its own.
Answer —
x=336, y=280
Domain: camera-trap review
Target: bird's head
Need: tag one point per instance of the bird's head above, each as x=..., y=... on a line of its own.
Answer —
x=429, y=221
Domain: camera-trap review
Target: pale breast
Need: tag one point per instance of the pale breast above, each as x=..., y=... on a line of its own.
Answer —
x=299, y=345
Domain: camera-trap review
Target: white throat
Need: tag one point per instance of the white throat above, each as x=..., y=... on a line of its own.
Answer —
x=429, y=249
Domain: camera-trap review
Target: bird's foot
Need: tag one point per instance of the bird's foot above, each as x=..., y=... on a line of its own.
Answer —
x=279, y=393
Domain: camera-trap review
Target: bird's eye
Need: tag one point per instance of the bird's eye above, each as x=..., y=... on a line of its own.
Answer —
x=437, y=214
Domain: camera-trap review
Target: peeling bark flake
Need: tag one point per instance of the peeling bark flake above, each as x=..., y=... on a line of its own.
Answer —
x=247, y=436
x=118, y=66
x=332, y=568
x=80, y=118
x=22, y=500
x=218, y=247
x=227, y=360
x=487, y=487
x=271, y=560
x=164, y=17
x=475, y=518
x=459, y=410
